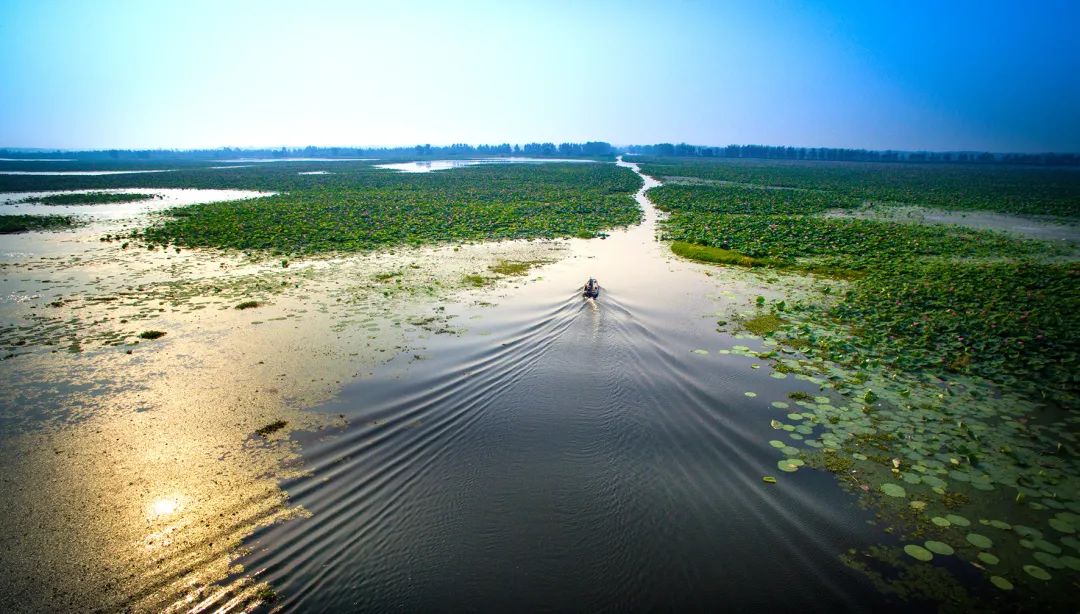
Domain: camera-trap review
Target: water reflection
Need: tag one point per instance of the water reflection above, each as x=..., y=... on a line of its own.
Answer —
x=426, y=166
x=164, y=170
x=164, y=506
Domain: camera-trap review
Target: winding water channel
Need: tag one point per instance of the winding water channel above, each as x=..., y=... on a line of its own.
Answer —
x=564, y=454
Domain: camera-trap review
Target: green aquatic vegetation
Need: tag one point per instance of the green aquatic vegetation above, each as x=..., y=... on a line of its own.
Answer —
x=745, y=200
x=715, y=255
x=922, y=437
x=1001, y=583
x=789, y=465
x=271, y=428
x=1013, y=323
x=1037, y=572
x=939, y=548
x=265, y=594
x=764, y=324
x=1006, y=189
x=367, y=211
x=477, y=281
x=512, y=268
x=979, y=541
x=89, y=198
x=918, y=552
x=893, y=490
x=24, y=223
x=840, y=243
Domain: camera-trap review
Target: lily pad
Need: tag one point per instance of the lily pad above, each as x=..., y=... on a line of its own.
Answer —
x=979, y=541
x=893, y=490
x=918, y=552
x=701, y=352
x=988, y=558
x=939, y=548
x=959, y=521
x=1071, y=562
x=780, y=405
x=789, y=465
x=1037, y=572
x=1046, y=546
x=941, y=522
x=1061, y=526
x=750, y=394
x=1001, y=583
x=769, y=479
x=1049, y=560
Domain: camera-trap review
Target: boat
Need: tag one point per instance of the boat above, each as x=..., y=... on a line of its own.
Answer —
x=592, y=288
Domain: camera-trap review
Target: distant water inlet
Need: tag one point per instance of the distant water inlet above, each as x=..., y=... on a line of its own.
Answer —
x=426, y=166
x=566, y=454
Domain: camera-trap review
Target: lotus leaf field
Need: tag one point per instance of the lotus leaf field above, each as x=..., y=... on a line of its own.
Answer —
x=947, y=361
x=966, y=187
x=360, y=207
x=940, y=298
x=477, y=203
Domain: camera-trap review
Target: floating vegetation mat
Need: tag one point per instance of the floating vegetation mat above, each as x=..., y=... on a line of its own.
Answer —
x=961, y=473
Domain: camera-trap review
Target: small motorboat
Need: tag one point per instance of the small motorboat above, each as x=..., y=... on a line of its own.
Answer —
x=592, y=288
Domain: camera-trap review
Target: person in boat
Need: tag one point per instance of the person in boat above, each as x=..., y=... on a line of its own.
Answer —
x=592, y=288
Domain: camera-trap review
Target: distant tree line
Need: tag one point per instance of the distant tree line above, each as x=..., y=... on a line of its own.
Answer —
x=457, y=150
x=851, y=155
x=591, y=149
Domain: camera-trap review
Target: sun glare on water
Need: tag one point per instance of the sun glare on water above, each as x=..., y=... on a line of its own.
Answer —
x=164, y=506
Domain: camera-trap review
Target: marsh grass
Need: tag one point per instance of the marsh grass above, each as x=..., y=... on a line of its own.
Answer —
x=764, y=324
x=510, y=267
x=89, y=198
x=716, y=255
x=24, y=223
x=477, y=281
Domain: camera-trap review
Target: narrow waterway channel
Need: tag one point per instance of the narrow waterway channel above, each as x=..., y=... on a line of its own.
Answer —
x=568, y=454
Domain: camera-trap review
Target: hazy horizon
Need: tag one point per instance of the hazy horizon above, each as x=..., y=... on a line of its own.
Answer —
x=914, y=77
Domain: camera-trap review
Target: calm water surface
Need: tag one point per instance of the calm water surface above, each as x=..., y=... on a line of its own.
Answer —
x=426, y=166
x=566, y=454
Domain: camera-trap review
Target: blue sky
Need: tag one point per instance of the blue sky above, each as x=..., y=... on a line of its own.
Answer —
x=949, y=75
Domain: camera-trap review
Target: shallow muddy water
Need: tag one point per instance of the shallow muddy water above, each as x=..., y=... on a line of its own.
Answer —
x=157, y=199
x=568, y=454
x=426, y=166
x=1047, y=229
x=87, y=173
x=132, y=468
